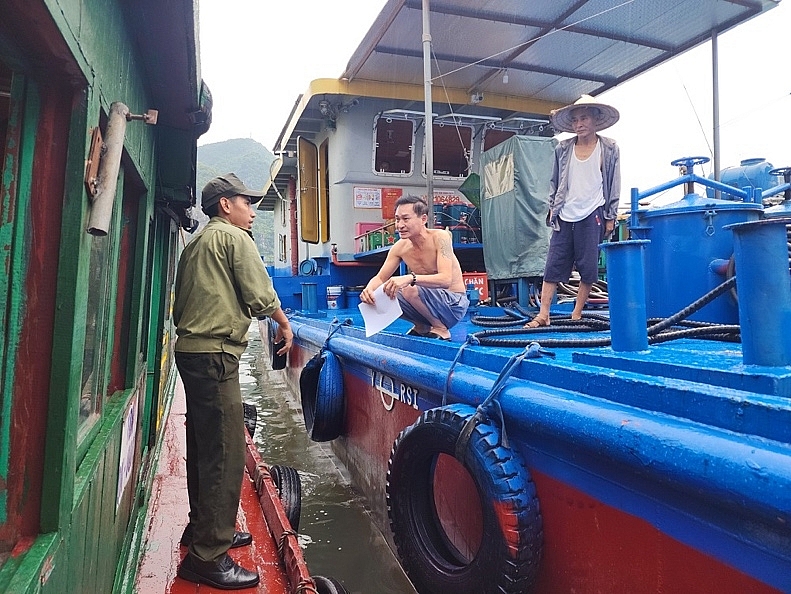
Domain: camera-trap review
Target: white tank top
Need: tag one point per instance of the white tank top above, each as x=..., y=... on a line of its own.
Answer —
x=585, y=186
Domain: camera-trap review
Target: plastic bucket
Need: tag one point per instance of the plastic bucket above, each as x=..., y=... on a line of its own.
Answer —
x=336, y=298
x=353, y=297
x=309, y=297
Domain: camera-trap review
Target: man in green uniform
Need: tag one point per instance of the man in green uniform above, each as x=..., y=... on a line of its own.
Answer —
x=220, y=284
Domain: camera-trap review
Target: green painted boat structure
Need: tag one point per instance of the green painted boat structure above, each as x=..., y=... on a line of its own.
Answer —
x=86, y=366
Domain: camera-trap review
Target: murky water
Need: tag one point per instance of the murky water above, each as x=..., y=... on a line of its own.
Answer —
x=337, y=535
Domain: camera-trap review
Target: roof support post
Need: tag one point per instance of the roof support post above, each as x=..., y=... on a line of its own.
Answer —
x=428, y=123
x=715, y=94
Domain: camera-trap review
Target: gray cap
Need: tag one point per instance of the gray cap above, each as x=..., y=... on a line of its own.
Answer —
x=227, y=185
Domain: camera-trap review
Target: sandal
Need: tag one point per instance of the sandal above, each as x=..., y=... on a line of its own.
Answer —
x=435, y=335
x=536, y=323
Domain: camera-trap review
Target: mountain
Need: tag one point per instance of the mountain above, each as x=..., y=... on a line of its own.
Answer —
x=250, y=161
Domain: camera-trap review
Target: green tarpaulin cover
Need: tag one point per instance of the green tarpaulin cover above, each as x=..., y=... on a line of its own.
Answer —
x=515, y=177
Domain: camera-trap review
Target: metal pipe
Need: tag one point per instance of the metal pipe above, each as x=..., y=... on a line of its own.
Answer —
x=102, y=205
x=626, y=274
x=760, y=251
x=428, y=122
x=337, y=262
x=293, y=226
x=634, y=221
x=715, y=94
x=745, y=194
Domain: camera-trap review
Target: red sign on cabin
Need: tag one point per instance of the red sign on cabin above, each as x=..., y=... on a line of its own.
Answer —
x=478, y=280
x=389, y=196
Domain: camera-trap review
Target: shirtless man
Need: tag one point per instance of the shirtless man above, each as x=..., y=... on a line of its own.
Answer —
x=583, y=201
x=433, y=295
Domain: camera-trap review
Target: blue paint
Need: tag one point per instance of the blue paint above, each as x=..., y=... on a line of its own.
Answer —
x=706, y=464
x=761, y=253
x=309, y=298
x=752, y=173
x=686, y=237
x=627, y=303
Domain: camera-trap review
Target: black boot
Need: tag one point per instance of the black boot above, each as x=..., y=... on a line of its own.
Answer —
x=224, y=574
x=240, y=539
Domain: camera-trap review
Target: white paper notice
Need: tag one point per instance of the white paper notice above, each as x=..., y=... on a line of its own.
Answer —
x=381, y=314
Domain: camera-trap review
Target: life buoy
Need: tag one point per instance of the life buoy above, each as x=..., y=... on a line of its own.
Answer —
x=508, y=556
x=289, y=490
x=321, y=393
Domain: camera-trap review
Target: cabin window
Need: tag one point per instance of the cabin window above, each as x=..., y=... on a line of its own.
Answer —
x=492, y=137
x=281, y=247
x=94, y=358
x=452, y=150
x=393, y=142
x=308, y=190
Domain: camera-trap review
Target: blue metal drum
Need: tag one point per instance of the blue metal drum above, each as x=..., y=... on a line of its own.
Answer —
x=689, y=253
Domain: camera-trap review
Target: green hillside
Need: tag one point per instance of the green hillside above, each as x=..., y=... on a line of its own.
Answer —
x=250, y=161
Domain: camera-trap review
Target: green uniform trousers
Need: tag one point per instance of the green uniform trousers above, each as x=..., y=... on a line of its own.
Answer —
x=215, y=448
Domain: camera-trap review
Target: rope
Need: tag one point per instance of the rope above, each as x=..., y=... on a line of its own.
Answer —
x=306, y=586
x=490, y=402
x=282, y=543
x=592, y=322
x=335, y=325
x=471, y=339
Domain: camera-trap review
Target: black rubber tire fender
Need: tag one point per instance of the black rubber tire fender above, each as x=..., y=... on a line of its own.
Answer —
x=322, y=397
x=328, y=585
x=289, y=490
x=510, y=551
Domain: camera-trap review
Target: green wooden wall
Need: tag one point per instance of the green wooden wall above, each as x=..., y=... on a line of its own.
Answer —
x=86, y=543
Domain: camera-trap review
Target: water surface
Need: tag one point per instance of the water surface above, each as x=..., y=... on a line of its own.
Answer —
x=336, y=533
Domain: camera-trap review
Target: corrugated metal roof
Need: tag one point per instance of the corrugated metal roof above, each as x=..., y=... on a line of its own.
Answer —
x=553, y=51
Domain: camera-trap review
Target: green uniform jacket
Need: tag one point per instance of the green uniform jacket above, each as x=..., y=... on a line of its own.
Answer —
x=220, y=284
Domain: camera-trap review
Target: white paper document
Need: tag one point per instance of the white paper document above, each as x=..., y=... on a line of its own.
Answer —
x=381, y=314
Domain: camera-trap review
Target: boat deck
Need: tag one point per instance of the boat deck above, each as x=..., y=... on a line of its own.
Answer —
x=579, y=363
x=168, y=512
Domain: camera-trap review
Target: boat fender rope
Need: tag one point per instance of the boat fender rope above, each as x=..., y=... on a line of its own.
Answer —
x=535, y=350
x=335, y=325
x=491, y=402
x=471, y=339
x=466, y=433
x=281, y=545
x=306, y=586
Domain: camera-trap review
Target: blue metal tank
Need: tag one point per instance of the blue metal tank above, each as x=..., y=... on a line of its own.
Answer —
x=689, y=253
x=784, y=208
x=750, y=173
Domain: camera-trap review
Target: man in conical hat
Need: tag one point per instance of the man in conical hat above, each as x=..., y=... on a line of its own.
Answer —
x=583, y=200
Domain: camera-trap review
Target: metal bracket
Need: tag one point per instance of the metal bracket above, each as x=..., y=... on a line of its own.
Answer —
x=150, y=117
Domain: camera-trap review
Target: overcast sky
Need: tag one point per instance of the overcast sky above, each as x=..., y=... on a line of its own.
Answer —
x=257, y=56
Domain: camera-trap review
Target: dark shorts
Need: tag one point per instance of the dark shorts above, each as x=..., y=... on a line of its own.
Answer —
x=575, y=245
x=447, y=306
